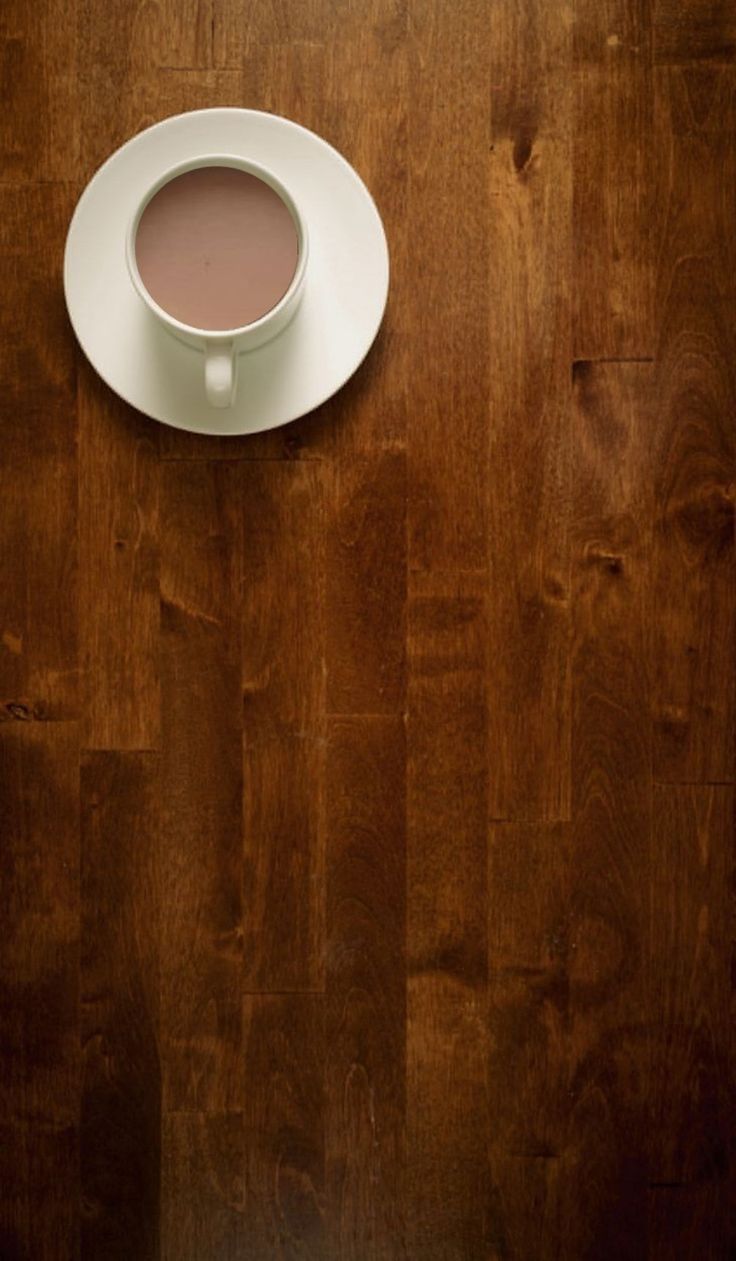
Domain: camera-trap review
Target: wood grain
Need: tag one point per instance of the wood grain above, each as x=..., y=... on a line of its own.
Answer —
x=38, y=1205
x=39, y=990
x=529, y=231
x=446, y=295
x=448, y=1189
x=365, y=524
x=272, y=24
x=201, y=788
x=614, y=216
x=363, y=109
x=693, y=584
x=284, y=1051
x=606, y=936
x=692, y=1085
x=39, y=124
x=283, y=705
x=119, y=571
x=41, y=900
x=568, y=921
x=529, y=891
x=120, y=1138
x=692, y=1186
x=687, y=1223
x=366, y=992
x=202, y=1186
x=38, y=471
x=120, y=49
x=701, y=30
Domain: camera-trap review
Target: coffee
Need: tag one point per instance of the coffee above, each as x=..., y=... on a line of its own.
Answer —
x=216, y=247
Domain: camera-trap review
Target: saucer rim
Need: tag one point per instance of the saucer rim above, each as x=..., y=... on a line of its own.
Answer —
x=333, y=153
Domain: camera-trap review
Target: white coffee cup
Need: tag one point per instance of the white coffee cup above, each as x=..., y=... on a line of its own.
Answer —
x=222, y=347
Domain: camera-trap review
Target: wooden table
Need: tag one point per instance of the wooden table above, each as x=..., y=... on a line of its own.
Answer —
x=367, y=787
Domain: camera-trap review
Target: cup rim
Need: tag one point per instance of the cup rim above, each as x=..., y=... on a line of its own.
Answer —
x=193, y=164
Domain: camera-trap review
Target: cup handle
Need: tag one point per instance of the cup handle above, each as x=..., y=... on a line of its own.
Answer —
x=219, y=373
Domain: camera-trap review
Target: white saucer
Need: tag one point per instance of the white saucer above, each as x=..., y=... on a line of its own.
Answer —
x=344, y=298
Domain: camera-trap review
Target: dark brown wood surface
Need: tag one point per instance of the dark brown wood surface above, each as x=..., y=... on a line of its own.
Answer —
x=367, y=787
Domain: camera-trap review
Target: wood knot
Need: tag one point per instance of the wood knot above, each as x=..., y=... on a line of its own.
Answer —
x=554, y=590
x=18, y=710
x=611, y=562
x=522, y=151
x=707, y=519
x=292, y=446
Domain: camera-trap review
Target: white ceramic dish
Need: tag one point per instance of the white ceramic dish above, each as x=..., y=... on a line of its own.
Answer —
x=337, y=320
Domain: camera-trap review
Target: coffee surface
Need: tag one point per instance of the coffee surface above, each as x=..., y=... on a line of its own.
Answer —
x=216, y=247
